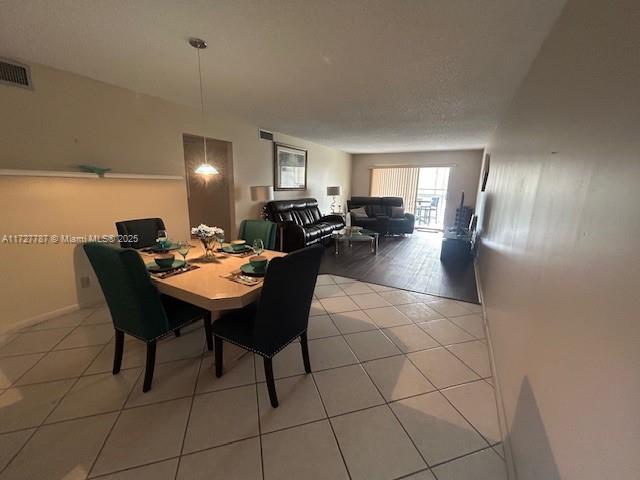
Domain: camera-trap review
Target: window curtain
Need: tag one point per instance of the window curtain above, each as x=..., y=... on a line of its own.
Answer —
x=396, y=182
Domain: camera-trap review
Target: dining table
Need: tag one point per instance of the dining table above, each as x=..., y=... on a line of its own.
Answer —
x=206, y=286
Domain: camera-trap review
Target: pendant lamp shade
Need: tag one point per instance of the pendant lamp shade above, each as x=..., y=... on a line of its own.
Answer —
x=206, y=169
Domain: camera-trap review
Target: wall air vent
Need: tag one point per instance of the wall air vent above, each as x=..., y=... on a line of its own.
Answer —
x=266, y=135
x=15, y=73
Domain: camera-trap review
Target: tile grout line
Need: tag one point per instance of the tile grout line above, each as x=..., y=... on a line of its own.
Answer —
x=335, y=437
x=203, y=355
x=47, y=352
x=42, y=424
x=113, y=426
x=172, y=457
x=386, y=404
x=28, y=329
x=408, y=475
x=208, y=392
x=449, y=401
x=193, y=397
x=83, y=374
x=255, y=377
x=483, y=449
x=465, y=363
x=437, y=389
x=16, y=385
x=95, y=374
x=359, y=362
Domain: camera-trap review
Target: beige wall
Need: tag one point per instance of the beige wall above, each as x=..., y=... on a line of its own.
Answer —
x=69, y=120
x=41, y=278
x=463, y=177
x=559, y=263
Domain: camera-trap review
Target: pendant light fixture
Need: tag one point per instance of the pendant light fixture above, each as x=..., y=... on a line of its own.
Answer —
x=204, y=168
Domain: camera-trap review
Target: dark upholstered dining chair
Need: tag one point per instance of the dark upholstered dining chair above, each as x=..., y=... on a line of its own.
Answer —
x=262, y=229
x=145, y=229
x=136, y=306
x=279, y=317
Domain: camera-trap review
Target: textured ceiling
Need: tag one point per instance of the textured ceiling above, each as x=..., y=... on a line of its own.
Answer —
x=363, y=76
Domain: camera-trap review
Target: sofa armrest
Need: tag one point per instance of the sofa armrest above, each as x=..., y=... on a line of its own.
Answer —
x=411, y=219
x=290, y=237
x=333, y=218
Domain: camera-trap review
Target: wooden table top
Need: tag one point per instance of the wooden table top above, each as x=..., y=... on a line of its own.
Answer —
x=205, y=287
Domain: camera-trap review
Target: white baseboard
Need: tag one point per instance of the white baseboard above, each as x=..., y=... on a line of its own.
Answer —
x=502, y=418
x=27, y=322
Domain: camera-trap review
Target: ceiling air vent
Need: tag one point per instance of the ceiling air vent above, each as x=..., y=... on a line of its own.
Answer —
x=14, y=73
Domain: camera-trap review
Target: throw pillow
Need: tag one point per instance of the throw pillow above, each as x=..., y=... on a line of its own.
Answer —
x=358, y=212
x=397, y=212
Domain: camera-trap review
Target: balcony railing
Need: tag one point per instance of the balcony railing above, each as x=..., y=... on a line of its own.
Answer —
x=429, y=208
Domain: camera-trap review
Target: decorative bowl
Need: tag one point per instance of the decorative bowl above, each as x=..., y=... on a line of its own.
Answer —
x=238, y=244
x=259, y=263
x=164, y=260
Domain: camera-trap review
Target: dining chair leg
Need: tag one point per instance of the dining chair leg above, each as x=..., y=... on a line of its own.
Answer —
x=176, y=332
x=207, y=331
x=305, y=352
x=151, y=363
x=218, y=355
x=117, y=357
x=271, y=383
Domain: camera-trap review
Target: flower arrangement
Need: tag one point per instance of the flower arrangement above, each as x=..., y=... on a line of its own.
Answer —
x=208, y=236
x=203, y=231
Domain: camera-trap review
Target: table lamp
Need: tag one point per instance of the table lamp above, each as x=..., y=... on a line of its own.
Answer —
x=262, y=193
x=333, y=192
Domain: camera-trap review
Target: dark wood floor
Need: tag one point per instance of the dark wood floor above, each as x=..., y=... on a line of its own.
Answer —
x=410, y=263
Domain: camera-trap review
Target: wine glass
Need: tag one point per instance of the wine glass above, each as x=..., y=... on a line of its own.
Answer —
x=162, y=237
x=183, y=249
x=258, y=246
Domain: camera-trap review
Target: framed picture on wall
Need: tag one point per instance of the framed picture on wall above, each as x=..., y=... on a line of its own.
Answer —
x=289, y=167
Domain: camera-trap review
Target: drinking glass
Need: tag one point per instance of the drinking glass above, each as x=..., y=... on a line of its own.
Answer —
x=162, y=237
x=183, y=249
x=258, y=246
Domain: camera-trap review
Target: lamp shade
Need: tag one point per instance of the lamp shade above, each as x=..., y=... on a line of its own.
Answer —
x=262, y=193
x=206, y=169
x=333, y=191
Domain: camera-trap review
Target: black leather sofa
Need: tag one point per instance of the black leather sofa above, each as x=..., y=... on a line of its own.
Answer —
x=379, y=218
x=300, y=223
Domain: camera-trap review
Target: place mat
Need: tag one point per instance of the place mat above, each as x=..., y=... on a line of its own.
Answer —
x=239, y=277
x=176, y=271
x=155, y=249
x=248, y=253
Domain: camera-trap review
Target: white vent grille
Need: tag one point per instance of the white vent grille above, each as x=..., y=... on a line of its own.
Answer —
x=14, y=73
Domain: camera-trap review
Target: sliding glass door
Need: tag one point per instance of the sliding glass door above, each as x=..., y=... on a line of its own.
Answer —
x=431, y=198
x=423, y=190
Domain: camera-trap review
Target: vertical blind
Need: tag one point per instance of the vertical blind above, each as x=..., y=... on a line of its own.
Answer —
x=396, y=182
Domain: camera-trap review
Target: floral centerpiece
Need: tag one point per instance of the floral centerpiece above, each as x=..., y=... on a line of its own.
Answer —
x=208, y=236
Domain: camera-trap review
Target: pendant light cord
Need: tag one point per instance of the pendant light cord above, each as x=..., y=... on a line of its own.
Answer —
x=202, y=107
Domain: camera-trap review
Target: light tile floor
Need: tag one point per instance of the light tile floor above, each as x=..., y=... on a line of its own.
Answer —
x=401, y=389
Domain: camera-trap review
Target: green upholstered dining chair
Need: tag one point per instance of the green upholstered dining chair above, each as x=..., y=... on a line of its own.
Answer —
x=136, y=306
x=263, y=229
